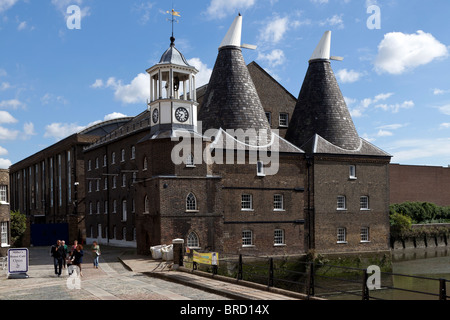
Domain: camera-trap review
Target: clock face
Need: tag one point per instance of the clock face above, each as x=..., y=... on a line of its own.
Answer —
x=182, y=114
x=155, y=116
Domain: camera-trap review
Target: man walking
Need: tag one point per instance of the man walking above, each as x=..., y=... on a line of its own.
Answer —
x=58, y=254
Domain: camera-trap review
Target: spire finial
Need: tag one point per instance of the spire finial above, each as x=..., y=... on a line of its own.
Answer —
x=174, y=14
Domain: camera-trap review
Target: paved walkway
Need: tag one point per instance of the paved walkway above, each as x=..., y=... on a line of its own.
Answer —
x=123, y=275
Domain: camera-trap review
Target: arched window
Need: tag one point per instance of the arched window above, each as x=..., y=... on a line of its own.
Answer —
x=192, y=240
x=146, y=205
x=145, y=165
x=190, y=160
x=191, y=202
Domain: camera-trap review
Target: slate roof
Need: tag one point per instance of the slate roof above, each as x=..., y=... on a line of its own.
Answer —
x=231, y=100
x=321, y=110
x=173, y=56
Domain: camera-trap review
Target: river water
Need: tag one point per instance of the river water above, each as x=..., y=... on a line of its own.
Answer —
x=423, y=267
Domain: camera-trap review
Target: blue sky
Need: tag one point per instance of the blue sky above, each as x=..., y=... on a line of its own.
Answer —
x=54, y=81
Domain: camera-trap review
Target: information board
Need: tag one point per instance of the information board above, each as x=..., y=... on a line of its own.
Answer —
x=18, y=260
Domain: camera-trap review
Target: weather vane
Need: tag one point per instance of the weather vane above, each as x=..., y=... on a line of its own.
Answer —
x=174, y=14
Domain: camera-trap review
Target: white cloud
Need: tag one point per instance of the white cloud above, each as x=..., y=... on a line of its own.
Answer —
x=348, y=76
x=5, y=163
x=274, y=30
x=409, y=150
x=399, y=52
x=384, y=133
x=204, y=73
x=59, y=131
x=445, y=125
x=363, y=105
x=445, y=109
x=138, y=91
x=13, y=104
x=6, y=4
x=113, y=116
x=7, y=134
x=3, y=151
x=220, y=8
x=274, y=58
x=6, y=117
x=5, y=86
x=49, y=98
x=319, y=1
x=334, y=21
x=28, y=129
x=395, y=108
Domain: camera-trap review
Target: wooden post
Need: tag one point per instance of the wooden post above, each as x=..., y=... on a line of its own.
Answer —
x=442, y=290
x=240, y=273
x=365, y=289
x=310, y=288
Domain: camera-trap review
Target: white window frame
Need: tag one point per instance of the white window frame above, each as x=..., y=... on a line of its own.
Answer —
x=190, y=161
x=260, y=169
x=4, y=194
x=278, y=237
x=246, y=202
x=278, y=204
x=364, y=203
x=191, y=203
x=247, y=238
x=341, y=204
x=352, y=172
x=341, y=235
x=365, y=233
x=193, y=241
x=4, y=237
x=283, y=120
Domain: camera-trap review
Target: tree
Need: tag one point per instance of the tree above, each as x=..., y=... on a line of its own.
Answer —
x=400, y=224
x=18, y=228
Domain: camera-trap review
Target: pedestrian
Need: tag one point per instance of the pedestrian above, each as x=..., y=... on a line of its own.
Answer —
x=96, y=252
x=63, y=243
x=78, y=257
x=58, y=255
x=74, y=247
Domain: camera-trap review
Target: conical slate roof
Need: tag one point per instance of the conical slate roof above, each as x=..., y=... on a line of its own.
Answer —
x=231, y=100
x=321, y=108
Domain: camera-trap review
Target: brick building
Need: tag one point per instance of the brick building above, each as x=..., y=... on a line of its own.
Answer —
x=5, y=232
x=420, y=184
x=48, y=187
x=237, y=166
x=348, y=178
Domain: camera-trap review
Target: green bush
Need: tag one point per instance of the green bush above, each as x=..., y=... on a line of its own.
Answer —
x=400, y=224
x=421, y=212
x=18, y=228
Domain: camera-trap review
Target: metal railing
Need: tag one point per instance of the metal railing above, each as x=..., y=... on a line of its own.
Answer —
x=320, y=279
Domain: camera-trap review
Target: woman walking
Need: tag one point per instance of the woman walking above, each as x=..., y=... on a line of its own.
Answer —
x=96, y=253
x=78, y=257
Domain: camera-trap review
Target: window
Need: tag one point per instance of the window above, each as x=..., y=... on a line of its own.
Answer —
x=97, y=187
x=124, y=234
x=364, y=234
x=278, y=237
x=106, y=207
x=364, y=203
x=278, y=202
x=105, y=184
x=114, y=206
x=352, y=172
x=105, y=160
x=146, y=205
x=247, y=202
x=90, y=186
x=98, y=207
x=90, y=207
x=96, y=163
x=123, y=156
x=269, y=117
x=341, y=235
x=247, y=238
x=192, y=240
x=191, y=203
x=4, y=234
x=133, y=152
x=145, y=165
x=4, y=194
x=341, y=205
x=124, y=210
x=124, y=180
x=89, y=165
x=190, y=161
x=260, y=169
x=284, y=120
x=113, y=158
x=114, y=182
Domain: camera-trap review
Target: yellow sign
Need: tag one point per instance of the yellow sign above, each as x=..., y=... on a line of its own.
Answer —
x=211, y=258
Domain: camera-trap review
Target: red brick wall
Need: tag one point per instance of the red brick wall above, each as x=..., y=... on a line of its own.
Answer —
x=420, y=183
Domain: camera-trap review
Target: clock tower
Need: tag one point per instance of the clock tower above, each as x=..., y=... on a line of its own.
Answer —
x=173, y=101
